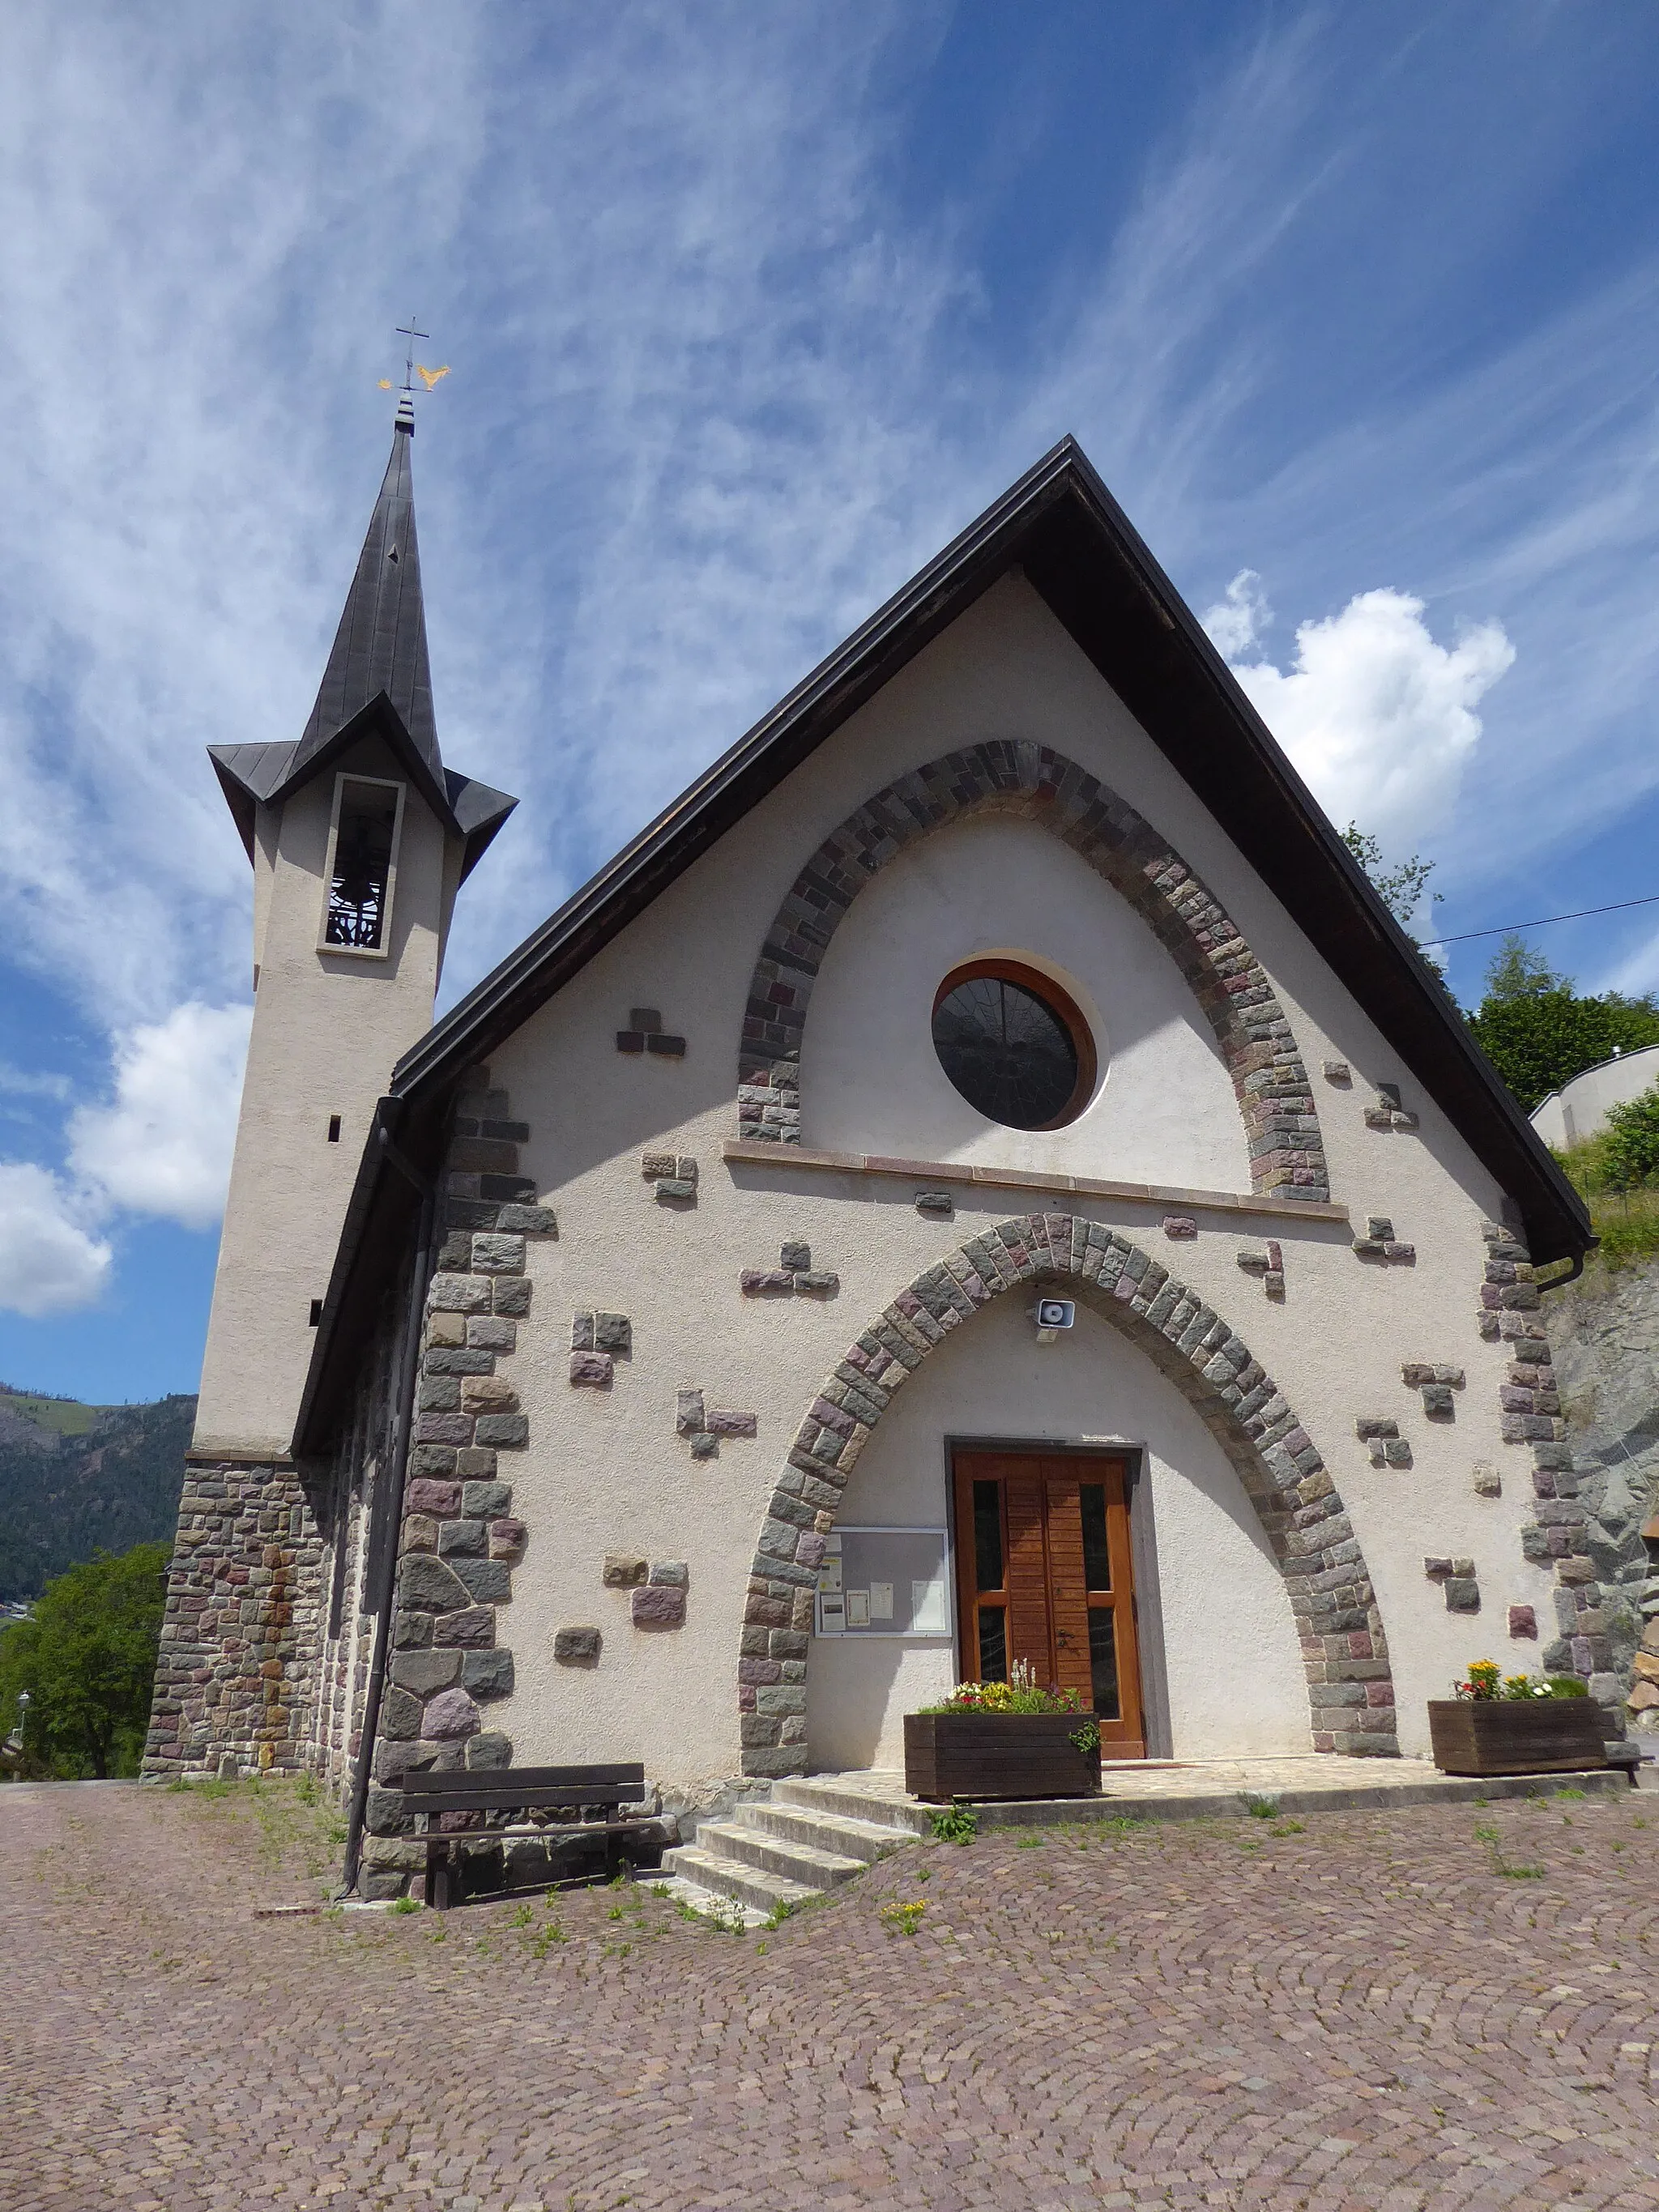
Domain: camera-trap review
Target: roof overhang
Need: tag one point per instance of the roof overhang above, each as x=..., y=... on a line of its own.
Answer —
x=253, y=775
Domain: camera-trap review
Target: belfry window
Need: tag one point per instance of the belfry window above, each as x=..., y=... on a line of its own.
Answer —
x=363, y=865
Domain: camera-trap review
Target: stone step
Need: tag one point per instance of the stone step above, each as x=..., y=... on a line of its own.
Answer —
x=712, y=1904
x=749, y=1885
x=853, y=1838
x=809, y=1865
x=840, y=1795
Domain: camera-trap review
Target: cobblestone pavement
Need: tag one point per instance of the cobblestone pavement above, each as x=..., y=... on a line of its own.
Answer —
x=1361, y=2012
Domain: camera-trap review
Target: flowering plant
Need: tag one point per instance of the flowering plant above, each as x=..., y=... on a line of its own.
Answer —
x=1485, y=1686
x=1018, y=1694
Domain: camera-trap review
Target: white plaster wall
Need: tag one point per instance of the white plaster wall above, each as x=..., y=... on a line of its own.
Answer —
x=1235, y=1673
x=604, y=1472
x=327, y=1029
x=1164, y=1109
x=1579, y=1110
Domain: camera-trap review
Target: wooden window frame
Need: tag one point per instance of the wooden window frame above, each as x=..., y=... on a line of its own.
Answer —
x=1059, y=1001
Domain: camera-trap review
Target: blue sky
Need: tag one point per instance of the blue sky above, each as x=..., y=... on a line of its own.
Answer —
x=748, y=310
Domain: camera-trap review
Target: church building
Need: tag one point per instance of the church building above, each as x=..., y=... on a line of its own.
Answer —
x=981, y=1179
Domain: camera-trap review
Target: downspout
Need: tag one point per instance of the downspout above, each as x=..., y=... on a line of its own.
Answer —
x=1561, y=1282
x=384, y=1565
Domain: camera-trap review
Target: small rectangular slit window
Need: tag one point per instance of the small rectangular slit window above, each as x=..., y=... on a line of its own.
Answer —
x=316, y=1312
x=334, y=1128
x=361, y=871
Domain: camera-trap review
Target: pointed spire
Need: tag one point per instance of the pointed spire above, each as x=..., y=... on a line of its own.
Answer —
x=381, y=645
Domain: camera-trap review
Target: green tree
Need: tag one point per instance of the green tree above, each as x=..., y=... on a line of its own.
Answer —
x=1539, y=1033
x=87, y=1657
x=1402, y=888
x=1630, y=1150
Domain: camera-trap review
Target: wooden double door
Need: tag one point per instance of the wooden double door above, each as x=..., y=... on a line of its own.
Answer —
x=1043, y=1576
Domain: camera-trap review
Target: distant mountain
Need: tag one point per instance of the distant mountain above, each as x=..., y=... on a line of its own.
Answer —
x=75, y=1479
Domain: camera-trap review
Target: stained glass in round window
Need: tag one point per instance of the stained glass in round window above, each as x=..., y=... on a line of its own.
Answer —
x=1013, y=1045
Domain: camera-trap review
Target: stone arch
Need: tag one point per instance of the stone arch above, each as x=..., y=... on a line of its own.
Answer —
x=1016, y=776
x=1344, y=1651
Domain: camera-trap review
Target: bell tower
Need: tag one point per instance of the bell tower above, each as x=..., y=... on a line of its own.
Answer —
x=360, y=838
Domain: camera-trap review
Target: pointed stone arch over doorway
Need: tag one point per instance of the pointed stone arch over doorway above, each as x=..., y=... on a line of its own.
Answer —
x=1016, y=776
x=1344, y=1651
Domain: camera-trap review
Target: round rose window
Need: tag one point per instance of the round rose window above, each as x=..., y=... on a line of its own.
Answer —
x=1014, y=1044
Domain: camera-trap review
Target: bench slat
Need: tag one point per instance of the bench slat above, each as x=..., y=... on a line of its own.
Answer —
x=427, y=1781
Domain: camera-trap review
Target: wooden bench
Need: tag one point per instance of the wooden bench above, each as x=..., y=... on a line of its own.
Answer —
x=576, y=1793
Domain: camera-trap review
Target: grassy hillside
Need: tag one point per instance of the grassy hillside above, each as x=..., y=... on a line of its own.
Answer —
x=75, y=1479
x=1626, y=1221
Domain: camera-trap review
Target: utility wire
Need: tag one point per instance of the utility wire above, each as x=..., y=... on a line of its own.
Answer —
x=1506, y=928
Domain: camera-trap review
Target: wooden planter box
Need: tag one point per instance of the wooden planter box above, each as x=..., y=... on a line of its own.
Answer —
x=985, y=1755
x=1500, y=1736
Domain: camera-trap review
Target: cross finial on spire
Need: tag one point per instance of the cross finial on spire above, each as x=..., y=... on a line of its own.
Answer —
x=412, y=369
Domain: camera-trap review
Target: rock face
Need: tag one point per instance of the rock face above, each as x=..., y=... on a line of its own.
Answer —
x=1604, y=1333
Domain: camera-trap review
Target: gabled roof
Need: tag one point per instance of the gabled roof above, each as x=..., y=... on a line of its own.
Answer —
x=1079, y=551
x=378, y=681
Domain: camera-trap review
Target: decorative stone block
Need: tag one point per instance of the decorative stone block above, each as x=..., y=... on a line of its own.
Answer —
x=1436, y=1569
x=485, y=1333
x=1463, y=1567
x=1179, y=1226
x=431, y=1496
x=591, y=1370
x=939, y=1202
x=527, y=1220
x=497, y=1255
x=1416, y=1373
x=451, y=1714
x=487, y=1674
x=1252, y=1259
x=818, y=1282
x=795, y=1256
x=487, y=1501
x=489, y=1751
x=462, y=1294
x=723, y=1423
x=645, y=1019
x=675, y=1190
x=445, y=1329
x=688, y=1412
x=473, y=1628
x=669, y=1574
x=488, y=1394
x=443, y=1428
x=440, y=1360
x=511, y=1296
x=508, y=1540
x=1462, y=1594
x=1437, y=1402
x=766, y=1282
x=489, y=1582
x=577, y=1647
x=1371, y=1426
x=623, y=1570
x=1337, y=1071
x=461, y=1539
x=476, y=1464
x=705, y=1447
x=421, y=1673
x=505, y=1432
x=400, y=1715
x=658, y=1606
x=426, y=1585
x=1523, y=1622
x=670, y=1047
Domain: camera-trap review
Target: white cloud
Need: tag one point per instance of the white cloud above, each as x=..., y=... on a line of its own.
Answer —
x=49, y=1262
x=1378, y=717
x=20, y=1083
x=163, y=1146
x=1237, y=619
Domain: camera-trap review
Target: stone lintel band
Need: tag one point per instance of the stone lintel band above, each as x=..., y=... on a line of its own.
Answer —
x=459, y=1539
x=1017, y=776
x=1344, y=1654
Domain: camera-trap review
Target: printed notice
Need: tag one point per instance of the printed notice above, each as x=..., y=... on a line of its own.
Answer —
x=927, y=1608
x=830, y=1575
x=881, y=1600
x=832, y=1618
x=858, y=1608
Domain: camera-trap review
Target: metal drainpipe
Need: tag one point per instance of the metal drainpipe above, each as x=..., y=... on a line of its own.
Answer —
x=1561, y=1282
x=388, y=1562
